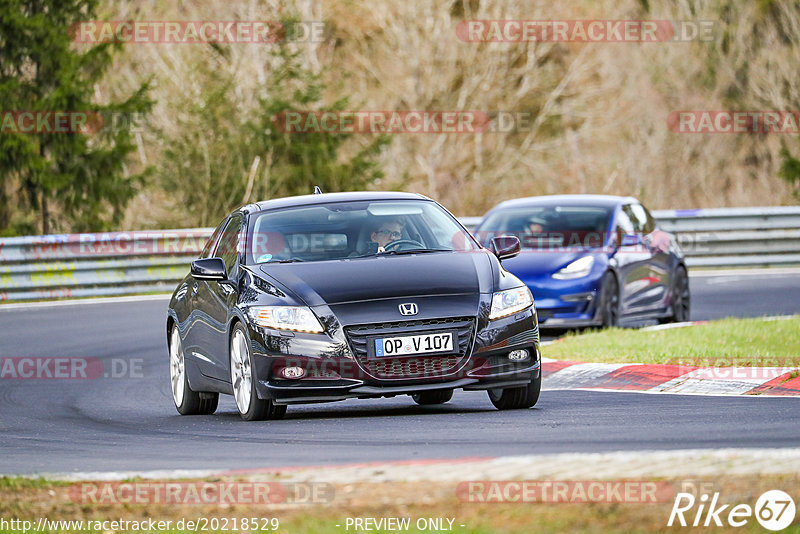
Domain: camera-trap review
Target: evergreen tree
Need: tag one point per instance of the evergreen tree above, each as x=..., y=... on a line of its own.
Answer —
x=76, y=180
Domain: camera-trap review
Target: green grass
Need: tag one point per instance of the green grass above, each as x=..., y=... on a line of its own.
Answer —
x=18, y=483
x=741, y=342
x=37, y=498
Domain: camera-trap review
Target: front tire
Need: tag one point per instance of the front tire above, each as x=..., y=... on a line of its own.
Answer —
x=250, y=407
x=609, y=301
x=187, y=401
x=680, y=305
x=426, y=398
x=517, y=398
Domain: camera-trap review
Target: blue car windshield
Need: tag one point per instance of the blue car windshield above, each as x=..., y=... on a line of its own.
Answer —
x=549, y=227
x=341, y=230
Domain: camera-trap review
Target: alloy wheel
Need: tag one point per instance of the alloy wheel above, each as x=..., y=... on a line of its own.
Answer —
x=241, y=374
x=176, y=367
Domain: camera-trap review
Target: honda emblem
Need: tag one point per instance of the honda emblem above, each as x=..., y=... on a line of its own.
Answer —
x=408, y=308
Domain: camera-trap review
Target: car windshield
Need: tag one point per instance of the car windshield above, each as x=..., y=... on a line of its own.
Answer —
x=341, y=230
x=549, y=227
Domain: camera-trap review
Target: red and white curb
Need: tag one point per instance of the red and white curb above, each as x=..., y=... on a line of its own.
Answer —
x=682, y=379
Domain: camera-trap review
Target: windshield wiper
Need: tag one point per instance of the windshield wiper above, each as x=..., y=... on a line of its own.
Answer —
x=398, y=252
x=415, y=251
x=289, y=260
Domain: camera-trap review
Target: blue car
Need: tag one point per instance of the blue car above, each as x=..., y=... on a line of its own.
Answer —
x=592, y=260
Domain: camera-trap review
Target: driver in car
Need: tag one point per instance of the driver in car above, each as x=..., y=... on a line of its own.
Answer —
x=386, y=232
x=535, y=226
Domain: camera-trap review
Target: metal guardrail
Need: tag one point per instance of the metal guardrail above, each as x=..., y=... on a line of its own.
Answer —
x=87, y=265
x=729, y=237
x=734, y=237
x=84, y=265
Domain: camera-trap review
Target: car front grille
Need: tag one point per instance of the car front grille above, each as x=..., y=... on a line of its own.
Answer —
x=421, y=367
x=415, y=366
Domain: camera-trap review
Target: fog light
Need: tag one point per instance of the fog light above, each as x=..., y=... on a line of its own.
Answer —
x=578, y=297
x=518, y=355
x=293, y=372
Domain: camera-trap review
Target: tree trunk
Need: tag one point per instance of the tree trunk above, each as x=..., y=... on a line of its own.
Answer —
x=45, y=215
x=5, y=212
x=45, y=221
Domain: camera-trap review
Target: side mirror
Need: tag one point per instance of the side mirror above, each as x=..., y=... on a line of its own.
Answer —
x=505, y=246
x=631, y=240
x=209, y=269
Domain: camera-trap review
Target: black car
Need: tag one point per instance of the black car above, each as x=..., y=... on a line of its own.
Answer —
x=327, y=297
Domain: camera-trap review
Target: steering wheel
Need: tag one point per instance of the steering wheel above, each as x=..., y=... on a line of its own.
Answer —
x=396, y=245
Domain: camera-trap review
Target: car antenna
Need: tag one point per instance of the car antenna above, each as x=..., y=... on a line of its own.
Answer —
x=317, y=190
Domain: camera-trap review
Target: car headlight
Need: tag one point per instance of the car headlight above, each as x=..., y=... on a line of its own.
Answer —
x=510, y=301
x=295, y=318
x=577, y=269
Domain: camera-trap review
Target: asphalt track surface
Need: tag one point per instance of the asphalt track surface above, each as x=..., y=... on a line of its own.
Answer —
x=129, y=423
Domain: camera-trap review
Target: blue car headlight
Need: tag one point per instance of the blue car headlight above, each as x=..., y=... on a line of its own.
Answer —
x=576, y=269
x=510, y=301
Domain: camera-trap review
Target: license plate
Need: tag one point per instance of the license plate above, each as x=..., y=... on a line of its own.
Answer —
x=418, y=344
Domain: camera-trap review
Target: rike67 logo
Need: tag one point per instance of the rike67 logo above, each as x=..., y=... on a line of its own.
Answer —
x=774, y=510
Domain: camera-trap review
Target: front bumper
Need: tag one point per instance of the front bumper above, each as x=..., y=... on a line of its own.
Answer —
x=567, y=303
x=322, y=390
x=334, y=372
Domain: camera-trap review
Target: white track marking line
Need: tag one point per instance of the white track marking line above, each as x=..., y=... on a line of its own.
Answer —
x=74, y=302
x=576, y=375
x=702, y=386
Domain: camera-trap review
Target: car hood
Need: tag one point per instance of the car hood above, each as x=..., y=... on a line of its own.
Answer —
x=385, y=277
x=531, y=263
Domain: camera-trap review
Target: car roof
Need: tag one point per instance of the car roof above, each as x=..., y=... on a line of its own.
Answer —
x=605, y=201
x=323, y=198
